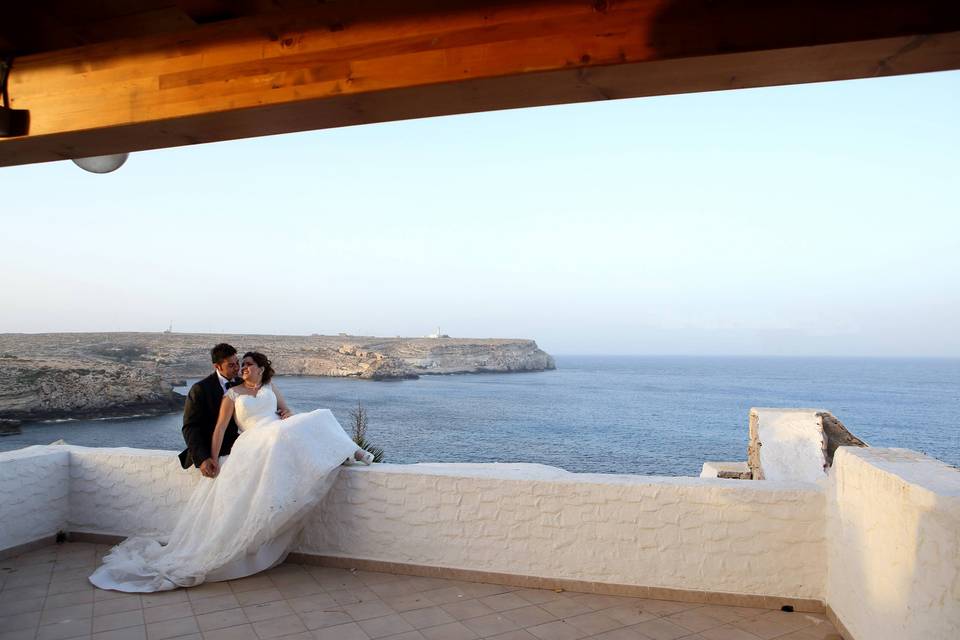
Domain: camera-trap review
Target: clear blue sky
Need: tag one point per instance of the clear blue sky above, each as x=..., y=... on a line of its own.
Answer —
x=811, y=220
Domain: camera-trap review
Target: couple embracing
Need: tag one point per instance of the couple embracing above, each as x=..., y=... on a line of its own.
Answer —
x=271, y=468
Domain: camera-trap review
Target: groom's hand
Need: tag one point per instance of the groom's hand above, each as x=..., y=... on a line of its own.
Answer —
x=208, y=468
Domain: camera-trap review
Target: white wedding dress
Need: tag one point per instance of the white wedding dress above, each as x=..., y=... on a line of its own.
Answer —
x=247, y=518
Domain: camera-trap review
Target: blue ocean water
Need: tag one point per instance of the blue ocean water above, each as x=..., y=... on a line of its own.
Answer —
x=643, y=415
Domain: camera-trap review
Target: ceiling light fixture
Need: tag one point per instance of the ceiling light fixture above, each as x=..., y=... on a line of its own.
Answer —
x=102, y=164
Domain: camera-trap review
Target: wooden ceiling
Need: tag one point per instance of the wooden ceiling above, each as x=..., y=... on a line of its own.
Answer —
x=108, y=76
x=36, y=26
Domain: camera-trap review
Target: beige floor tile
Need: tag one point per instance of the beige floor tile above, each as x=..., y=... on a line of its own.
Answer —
x=628, y=614
x=277, y=627
x=20, y=606
x=377, y=577
x=565, y=607
x=68, y=599
x=466, y=609
x=69, y=585
x=446, y=595
x=557, y=630
x=490, y=624
x=268, y=610
x=19, y=594
x=727, y=632
x=27, y=579
x=221, y=619
x=29, y=620
x=727, y=614
x=133, y=618
x=406, y=635
x=663, y=607
x=344, y=597
x=767, y=627
x=168, y=612
x=450, y=631
x=408, y=602
x=161, y=598
x=367, y=610
x=300, y=587
x=312, y=603
x=349, y=631
x=661, y=629
x=539, y=596
x=208, y=590
x=215, y=603
x=518, y=634
x=62, y=614
x=593, y=623
x=621, y=634
x=127, y=633
x=258, y=596
x=428, y=617
x=323, y=619
x=240, y=632
x=172, y=628
x=393, y=589
x=22, y=634
x=530, y=615
x=63, y=630
x=129, y=602
x=694, y=620
x=504, y=601
x=251, y=583
x=598, y=601
x=385, y=626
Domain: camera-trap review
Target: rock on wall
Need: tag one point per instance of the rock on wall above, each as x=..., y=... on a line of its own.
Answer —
x=894, y=544
x=34, y=494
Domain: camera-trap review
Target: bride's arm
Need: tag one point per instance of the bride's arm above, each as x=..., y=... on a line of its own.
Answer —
x=226, y=412
x=282, y=407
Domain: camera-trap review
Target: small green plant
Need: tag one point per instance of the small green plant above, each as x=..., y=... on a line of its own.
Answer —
x=360, y=433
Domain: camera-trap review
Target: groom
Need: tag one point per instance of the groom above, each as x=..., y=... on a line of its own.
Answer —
x=202, y=409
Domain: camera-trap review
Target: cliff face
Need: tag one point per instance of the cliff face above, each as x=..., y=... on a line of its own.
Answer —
x=104, y=374
x=40, y=389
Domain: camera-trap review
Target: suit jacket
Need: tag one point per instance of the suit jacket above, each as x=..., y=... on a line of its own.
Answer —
x=199, y=420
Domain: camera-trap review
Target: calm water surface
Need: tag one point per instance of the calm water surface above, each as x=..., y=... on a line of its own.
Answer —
x=645, y=415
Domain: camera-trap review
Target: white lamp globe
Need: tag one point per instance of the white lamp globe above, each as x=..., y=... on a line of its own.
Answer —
x=101, y=164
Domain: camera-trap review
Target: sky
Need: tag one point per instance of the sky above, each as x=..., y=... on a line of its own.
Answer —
x=811, y=220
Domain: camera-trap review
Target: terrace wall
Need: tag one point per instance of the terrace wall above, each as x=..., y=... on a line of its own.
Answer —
x=894, y=544
x=34, y=494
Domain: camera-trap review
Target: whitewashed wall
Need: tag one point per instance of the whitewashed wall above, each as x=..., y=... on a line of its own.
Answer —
x=686, y=533
x=34, y=494
x=894, y=544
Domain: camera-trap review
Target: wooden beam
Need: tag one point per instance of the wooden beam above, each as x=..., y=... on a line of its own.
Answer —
x=371, y=62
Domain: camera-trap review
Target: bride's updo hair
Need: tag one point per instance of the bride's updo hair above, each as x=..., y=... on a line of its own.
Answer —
x=262, y=361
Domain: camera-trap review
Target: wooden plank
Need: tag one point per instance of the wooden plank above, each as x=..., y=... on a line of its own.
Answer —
x=343, y=65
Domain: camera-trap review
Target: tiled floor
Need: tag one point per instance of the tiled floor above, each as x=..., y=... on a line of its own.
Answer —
x=45, y=595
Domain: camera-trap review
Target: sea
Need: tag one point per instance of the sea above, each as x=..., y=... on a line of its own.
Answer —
x=600, y=414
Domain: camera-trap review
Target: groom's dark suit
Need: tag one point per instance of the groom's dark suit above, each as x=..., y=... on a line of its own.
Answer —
x=199, y=420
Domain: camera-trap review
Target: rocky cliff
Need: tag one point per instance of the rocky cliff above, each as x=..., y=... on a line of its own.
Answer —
x=44, y=389
x=103, y=374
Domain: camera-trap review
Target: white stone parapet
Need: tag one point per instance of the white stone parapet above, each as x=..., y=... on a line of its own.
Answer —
x=878, y=540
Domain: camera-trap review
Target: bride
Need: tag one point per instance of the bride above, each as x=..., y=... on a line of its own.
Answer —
x=246, y=519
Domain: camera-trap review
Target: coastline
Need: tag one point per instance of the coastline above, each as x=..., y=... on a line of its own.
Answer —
x=102, y=375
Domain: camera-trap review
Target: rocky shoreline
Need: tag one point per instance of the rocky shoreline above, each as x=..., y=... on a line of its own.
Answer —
x=98, y=375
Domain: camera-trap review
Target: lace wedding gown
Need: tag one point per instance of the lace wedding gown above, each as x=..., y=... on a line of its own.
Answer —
x=246, y=519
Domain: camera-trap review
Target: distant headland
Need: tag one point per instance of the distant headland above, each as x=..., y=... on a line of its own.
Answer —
x=95, y=375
